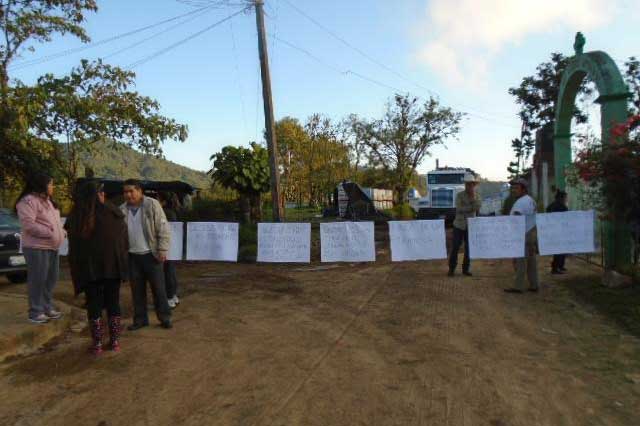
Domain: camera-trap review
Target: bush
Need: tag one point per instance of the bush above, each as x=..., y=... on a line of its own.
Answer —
x=403, y=211
x=212, y=211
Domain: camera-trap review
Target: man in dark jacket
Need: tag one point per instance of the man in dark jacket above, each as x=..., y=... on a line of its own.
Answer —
x=558, y=205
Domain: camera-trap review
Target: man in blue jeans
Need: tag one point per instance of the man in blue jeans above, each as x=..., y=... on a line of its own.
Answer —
x=149, y=241
x=467, y=205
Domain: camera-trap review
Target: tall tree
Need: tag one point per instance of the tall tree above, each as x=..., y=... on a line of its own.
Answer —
x=399, y=142
x=632, y=78
x=23, y=24
x=94, y=104
x=537, y=96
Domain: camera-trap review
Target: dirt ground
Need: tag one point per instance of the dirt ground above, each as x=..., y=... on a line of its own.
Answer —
x=367, y=344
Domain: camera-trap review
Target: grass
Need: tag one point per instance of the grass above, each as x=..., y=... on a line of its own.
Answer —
x=621, y=305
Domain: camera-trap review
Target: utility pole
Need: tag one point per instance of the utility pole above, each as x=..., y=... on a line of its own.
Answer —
x=269, y=120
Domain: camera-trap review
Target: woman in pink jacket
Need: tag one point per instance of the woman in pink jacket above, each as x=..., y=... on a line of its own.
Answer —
x=42, y=234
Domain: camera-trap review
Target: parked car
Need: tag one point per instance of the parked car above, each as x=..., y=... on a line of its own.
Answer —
x=12, y=262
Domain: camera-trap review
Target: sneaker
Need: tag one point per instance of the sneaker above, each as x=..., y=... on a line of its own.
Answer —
x=52, y=314
x=176, y=300
x=172, y=303
x=39, y=319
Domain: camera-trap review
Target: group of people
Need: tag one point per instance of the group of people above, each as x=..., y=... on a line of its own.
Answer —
x=108, y=245
x=468, y=205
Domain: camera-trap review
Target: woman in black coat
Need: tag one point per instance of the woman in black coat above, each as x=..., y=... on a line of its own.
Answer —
x=98, y=257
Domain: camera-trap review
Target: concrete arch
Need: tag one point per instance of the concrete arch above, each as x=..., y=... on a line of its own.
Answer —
x=603, y=71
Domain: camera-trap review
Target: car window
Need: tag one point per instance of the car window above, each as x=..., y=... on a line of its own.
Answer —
x=8, y=221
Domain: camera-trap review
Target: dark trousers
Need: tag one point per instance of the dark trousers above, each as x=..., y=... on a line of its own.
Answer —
x=103, y=294
x=558, y=262
x=146, y=268
x=459, y=236
x=170, y=278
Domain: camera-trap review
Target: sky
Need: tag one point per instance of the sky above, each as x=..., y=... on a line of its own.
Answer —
x=350, y=57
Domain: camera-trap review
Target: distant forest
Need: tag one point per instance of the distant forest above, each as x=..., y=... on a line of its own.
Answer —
x=124, y=163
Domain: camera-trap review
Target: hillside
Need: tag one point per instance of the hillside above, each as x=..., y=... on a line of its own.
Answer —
x=124, y=163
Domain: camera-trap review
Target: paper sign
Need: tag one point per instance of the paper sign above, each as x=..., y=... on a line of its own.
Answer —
x=566, y=232
x=284, y=242
x=175, y=249
x=347, y=242
x=64, y=248
x=212, y=241
x=417, y=240
x=499, y=237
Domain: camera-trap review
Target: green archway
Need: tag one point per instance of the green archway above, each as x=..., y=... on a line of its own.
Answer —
x=613, y=98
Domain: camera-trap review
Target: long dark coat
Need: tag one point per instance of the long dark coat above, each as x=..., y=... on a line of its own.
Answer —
x=104, y=255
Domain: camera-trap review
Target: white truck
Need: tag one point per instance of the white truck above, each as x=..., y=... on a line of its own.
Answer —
x=443, y=185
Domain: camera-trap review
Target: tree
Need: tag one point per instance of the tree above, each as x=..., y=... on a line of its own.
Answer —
x=24, y=23
x=94, y=104
x=632, y=78
x=399, y=142
x=537, y=96
x=245, y=171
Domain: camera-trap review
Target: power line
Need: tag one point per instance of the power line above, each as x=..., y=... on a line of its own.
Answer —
x=372, y=80
x=184, y=40
x=157, y=34
x=25, y=64
x=369, y=57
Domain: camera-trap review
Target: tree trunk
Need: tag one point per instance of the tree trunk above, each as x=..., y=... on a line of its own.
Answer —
x=245, y=208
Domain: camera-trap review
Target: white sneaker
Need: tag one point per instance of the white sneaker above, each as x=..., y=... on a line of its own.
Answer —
x=176, y=300
x=52, y=314
x=172, y=303
x=39, y=319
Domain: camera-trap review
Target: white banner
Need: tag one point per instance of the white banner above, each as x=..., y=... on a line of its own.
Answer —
x=284, y=242
x=212, y=241
x=496, y=237
x=347, y=242
x=417, y=240
x=566, y=232
x=64, y=248
x=177, y=233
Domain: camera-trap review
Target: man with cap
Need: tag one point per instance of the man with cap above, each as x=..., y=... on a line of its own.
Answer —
x=559, y=205
x=525, y=206
x=467, y=205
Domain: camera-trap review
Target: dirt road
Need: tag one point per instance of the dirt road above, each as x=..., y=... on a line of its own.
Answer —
x=380, y=344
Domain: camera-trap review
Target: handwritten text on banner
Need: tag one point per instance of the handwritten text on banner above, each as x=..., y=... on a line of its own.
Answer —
x=212, y=241
x=284, y=242
x=417, y=240
x=499, y=237
x=347, y=242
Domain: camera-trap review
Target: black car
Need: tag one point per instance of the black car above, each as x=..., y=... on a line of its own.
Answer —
x=12, y=262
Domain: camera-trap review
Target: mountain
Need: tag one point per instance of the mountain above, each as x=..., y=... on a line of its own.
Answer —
x=124, y=162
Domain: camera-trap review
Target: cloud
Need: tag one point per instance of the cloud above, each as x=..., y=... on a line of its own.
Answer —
x=463, y=36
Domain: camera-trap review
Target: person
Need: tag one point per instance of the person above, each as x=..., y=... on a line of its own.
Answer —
x=168, y=201
x=467, y=205
x=42, y=235
x=558, y=205
x=525, y=206
x=149, y=240
x=98, y=248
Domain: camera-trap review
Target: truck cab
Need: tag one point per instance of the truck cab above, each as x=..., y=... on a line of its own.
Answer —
x=443, y=185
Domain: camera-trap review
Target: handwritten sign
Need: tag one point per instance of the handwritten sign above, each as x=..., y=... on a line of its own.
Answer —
x=284, y=242
x=499, y=237
x=347, y=242
x=566, y=232
x=417, y=240
x=177, y=233
x=212, y=241
x=64, y=248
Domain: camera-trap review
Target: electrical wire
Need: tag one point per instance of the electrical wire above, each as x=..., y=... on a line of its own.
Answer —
x=157, y=34
x=37, y=61
x=377, y=62
x=372, y=80
x=183, y=41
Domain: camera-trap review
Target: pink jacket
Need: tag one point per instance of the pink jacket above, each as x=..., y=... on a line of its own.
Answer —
x=41, y=224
